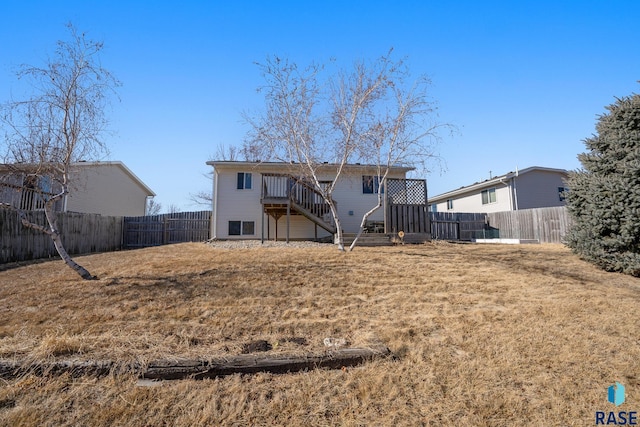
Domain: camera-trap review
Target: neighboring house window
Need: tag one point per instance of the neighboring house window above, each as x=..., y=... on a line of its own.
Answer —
x=562, y=193
x=241, y=228
x=433, y=207
x=371, y=184
x=244, y=181
x=488, y=196
x=449, y=204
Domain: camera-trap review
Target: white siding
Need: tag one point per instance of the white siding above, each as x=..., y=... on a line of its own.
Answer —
x=350, y=198
x=472, y=201
x=107, y=190
x=237, y=205
x=231, y=204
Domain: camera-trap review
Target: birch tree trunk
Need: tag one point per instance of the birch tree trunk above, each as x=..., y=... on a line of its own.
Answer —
x=57, y=243
x=336, y=219
x=53, y=232
x=364, y=223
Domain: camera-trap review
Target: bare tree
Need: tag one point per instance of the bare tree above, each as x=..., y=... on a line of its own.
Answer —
x=173, y=208
x=203, y=197
x=223, y=152
x=60, y=124
x=153, y=207
x=406, y=133
x=364, y=114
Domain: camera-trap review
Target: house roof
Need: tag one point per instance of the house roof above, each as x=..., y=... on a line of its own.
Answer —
x=491, y=182
x=261, y=166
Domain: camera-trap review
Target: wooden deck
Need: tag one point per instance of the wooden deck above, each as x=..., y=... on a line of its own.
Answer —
x=286, y=195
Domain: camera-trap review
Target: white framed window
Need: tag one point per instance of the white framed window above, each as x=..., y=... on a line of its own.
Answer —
x=244, y=181
x=371, y=184
x=449, y=204
x=488, y=196
x=242, y=228
x=562, y=193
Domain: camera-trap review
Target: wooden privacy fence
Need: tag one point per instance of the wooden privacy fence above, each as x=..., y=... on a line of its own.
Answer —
x=156, y=230
x=81, y=233
x=547, y=225
x=412, y=218
x=457, y=225
x=406, y=206
x=88, y=233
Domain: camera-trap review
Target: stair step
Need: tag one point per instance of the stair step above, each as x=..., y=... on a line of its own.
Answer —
x=368, y=239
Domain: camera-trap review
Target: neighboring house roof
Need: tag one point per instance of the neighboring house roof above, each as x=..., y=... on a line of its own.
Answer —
x=284, y=167
x=491, y=182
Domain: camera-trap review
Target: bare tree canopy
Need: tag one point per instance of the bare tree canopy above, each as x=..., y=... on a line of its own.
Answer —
x=223, y=152
x=371, y=113
x=153, y=207
x=60, y=124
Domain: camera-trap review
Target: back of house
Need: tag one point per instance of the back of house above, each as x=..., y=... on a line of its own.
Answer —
x=269, y=200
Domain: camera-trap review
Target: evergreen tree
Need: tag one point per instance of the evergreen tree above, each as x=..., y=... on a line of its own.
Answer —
x=604, y=196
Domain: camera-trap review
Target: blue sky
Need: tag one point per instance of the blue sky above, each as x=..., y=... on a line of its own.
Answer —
x=524, y=81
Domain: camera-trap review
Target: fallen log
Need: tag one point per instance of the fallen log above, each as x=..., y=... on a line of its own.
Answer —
x=97, y=368
x=252, y=363
x=200, y=369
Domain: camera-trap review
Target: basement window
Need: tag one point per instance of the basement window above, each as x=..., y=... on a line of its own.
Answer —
x=241, y=228
x=488, y=196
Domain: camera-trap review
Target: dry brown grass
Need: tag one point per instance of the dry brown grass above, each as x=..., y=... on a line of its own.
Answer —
x=485, y=335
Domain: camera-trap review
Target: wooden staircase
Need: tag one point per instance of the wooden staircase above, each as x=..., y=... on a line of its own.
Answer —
x=282, y=194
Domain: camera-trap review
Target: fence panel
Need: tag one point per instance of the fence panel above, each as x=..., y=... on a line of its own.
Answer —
x=406, y=206
x=156, y=230
x=547, y=225
x=408, y=218
x=81, y=234
x=457, y=225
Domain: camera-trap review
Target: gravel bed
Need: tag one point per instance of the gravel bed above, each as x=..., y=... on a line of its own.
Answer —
x=246, y=244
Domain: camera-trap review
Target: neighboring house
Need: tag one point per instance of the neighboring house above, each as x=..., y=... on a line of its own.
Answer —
x=267, y=200
x=533, y=187
x=106, y=188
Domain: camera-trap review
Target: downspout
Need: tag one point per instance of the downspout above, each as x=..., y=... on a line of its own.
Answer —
x=214, y=205
x=510, y=193
x=515, y=191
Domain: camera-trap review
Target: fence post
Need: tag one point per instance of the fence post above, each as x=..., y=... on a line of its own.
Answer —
x=165, y=230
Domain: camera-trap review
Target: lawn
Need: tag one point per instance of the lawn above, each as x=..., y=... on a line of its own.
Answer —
x=483, y=335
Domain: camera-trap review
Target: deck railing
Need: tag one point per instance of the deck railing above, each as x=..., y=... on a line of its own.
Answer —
x=299, y=192
x=24, y=198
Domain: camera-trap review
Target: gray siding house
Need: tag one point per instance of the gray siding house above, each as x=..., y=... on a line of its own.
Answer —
x=533, y=187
